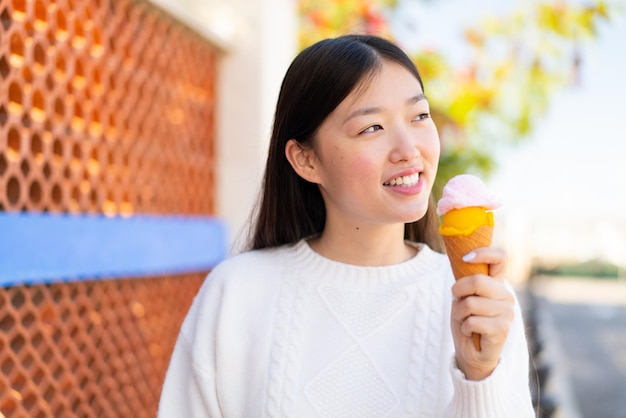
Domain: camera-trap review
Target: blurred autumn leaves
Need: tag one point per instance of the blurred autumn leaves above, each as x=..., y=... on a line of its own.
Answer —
x=516, y=63
x=321, y=19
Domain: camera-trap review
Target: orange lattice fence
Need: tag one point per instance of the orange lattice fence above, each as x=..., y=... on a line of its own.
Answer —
x=106, y=107
x=89, y=349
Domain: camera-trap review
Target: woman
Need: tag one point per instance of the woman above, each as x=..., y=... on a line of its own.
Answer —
x=343, y=307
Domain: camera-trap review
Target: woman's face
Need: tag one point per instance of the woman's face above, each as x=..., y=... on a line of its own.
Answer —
x=376, y=154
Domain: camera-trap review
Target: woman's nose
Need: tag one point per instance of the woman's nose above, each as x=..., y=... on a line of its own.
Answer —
x=405, y=146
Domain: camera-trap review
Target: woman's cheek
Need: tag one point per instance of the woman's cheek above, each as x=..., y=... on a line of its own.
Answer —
x=431, y=151
x=361, y=167
x=436, y=144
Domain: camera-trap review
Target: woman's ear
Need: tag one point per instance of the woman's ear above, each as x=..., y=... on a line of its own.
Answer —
x=303, y=160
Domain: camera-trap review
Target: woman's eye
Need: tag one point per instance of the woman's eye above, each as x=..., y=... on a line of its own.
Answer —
x=422, y=116
x=371, y=129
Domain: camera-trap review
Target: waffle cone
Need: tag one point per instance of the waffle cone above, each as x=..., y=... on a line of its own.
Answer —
x=459, y=245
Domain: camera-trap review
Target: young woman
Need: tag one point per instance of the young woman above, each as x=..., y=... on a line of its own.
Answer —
x=344, y=306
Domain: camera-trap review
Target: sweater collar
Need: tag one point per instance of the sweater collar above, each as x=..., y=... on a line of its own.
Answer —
x=419, y=267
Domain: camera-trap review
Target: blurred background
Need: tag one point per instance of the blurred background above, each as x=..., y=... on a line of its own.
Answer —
x=133, y=137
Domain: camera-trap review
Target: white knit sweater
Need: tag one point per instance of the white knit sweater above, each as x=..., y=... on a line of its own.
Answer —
x=285, y=332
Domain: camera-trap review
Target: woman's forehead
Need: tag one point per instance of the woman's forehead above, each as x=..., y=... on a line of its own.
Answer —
x=369, y=88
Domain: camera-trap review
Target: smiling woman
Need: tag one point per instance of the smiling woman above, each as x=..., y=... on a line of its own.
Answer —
x=343, y=305
x=374, y=159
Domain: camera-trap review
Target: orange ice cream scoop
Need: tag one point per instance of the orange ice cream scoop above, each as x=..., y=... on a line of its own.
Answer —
x=464, y=221
x=467, y=224
x=461, y=241
x=463, y=230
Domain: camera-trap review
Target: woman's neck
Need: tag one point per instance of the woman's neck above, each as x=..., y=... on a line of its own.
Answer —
x=373, y=246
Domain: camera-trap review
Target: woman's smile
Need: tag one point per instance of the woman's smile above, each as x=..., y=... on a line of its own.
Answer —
x=406, y=184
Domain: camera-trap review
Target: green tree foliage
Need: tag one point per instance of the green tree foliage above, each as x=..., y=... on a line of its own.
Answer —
x=517, y=62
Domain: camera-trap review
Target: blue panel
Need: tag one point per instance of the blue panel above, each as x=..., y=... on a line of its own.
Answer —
x=37, y=248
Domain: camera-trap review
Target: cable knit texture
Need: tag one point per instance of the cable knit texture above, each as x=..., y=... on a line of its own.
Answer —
x=285, y=332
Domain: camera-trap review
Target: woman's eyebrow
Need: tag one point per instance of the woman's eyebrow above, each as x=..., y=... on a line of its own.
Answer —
x=417, y=98
x=362, y=112
x=371, y=110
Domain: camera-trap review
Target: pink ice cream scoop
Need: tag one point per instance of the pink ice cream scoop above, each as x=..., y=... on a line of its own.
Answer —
x=466, y=190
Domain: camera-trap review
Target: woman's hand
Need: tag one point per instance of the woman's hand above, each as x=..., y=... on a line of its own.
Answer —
x=483, y=305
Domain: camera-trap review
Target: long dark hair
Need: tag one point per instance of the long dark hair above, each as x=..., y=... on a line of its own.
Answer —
x=317, y=81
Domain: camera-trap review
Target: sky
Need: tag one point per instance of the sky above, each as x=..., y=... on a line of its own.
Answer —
x=578, y=151
x=564, y=188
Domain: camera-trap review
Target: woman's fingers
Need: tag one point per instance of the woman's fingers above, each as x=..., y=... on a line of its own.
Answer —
x=482, y=315
x=480, y=285
x=493, y=331
x=483, y=306
x=494, y=257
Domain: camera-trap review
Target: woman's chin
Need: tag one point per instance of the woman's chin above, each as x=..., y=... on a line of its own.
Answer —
x=415, y=215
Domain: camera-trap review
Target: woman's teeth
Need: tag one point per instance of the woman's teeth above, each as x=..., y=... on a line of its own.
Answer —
x=404, y=181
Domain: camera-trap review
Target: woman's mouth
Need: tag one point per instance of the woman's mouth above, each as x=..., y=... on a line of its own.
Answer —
x=404, y=181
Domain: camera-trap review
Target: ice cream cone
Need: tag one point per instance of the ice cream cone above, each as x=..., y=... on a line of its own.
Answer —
x=467, y=224
x=459, y=245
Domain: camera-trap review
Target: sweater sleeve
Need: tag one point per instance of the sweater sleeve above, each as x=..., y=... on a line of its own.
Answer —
x=506, y=392
x=189, y=389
